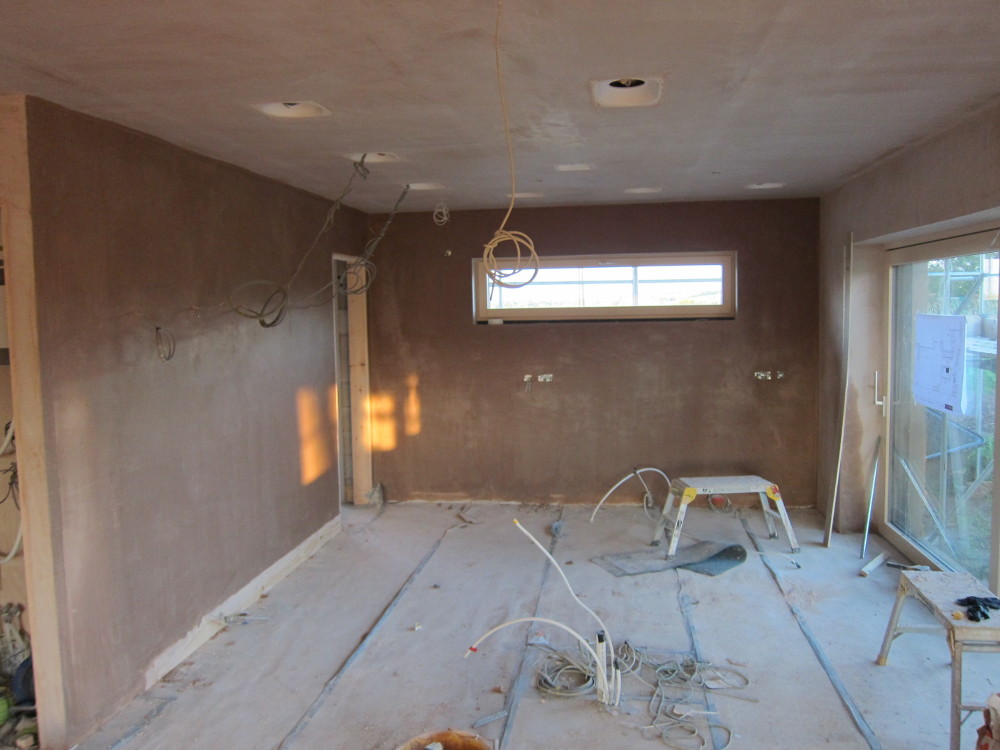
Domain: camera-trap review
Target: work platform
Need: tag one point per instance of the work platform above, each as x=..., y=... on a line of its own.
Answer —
x=688, y=488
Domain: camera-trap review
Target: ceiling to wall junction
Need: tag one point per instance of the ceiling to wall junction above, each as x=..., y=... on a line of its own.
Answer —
x=801, y=93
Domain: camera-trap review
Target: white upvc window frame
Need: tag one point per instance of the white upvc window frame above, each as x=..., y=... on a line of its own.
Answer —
x=726, y=309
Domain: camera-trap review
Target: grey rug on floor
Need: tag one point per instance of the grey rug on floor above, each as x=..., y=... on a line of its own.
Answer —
x=710, y=558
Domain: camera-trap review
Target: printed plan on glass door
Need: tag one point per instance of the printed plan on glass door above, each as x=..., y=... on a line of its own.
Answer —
x=939, y=362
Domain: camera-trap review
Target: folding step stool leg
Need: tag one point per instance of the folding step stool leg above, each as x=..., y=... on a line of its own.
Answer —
x=766, y=507
x=775, y=495
x=661, y=527
x=686, y=499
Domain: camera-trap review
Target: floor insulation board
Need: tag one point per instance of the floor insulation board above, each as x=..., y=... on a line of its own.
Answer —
x=364, y=646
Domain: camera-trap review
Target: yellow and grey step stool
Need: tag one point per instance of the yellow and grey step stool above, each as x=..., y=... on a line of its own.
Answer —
x=688, y=488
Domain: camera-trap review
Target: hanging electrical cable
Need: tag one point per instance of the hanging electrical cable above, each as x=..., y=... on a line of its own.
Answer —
x=360, y=273
x=525, y=257
x=276, y=296
x=441, y=214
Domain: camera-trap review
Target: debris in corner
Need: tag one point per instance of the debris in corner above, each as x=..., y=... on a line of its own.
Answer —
x=18, y=725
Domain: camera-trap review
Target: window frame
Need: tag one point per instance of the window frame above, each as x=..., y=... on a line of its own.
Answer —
x=726, y=310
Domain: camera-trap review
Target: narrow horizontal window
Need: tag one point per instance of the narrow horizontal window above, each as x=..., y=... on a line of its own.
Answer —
x=609, y=287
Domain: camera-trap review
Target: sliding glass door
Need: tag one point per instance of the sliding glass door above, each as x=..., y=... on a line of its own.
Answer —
x=943, y=403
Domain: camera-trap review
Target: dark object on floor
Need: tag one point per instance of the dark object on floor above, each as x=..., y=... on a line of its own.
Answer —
x=717, y=557
x=720, y=562
x=23, y=685
x=905, y=566
x=977, y=607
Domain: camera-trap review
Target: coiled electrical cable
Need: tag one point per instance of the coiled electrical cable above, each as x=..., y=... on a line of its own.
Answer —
x=166, y=344
x=599, y=672
x=525, y=257
x=565, y=675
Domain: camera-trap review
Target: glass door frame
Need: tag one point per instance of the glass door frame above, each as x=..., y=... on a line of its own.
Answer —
x=971, y=241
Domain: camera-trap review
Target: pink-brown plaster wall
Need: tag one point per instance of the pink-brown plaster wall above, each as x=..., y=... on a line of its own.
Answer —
x=679, y=395
x=171, y=484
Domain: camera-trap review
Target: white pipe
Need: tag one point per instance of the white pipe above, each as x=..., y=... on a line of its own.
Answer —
x=603, y=692
x=607, y=633
x=622, y=481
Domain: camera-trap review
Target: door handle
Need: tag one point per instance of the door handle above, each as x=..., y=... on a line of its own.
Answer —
x=879, y=400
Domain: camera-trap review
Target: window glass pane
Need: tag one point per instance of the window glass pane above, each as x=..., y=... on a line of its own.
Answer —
x=627, y=286
x=680, y=293
x=944, y=407
x=607, y=295
x=607, y=273
x=667, y=273
x=554, y=275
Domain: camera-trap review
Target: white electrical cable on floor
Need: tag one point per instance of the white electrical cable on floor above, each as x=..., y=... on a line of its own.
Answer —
x=604, y=632
x=620, y=482
x=603, y=688
x=604, y=628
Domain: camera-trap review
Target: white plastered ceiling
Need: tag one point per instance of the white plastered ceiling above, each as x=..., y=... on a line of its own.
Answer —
x=800, y=92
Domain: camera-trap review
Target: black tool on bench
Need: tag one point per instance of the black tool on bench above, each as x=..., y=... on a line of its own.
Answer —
x=977, y=607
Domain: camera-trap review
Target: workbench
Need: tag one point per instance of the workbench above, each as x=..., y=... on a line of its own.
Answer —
x=937, y=591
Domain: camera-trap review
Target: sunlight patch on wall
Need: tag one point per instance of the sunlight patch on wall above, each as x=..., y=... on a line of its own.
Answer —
x=314, y=444
x=382, y=421
x=411, y=409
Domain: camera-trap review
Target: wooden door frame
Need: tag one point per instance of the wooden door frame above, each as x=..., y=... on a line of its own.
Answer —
x=358, y=384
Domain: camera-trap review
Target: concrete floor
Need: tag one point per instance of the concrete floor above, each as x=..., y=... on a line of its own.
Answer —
x=363, y=647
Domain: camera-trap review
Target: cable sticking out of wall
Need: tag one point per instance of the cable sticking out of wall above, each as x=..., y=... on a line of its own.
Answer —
x=166, y=344
x=359, y=274
x=525, y=257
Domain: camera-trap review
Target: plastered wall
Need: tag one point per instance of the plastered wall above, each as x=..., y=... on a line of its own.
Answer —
x=941, y=185
x=452, y=418
x=165, y=485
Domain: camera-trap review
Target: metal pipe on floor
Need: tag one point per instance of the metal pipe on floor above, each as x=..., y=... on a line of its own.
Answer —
x=871, y=496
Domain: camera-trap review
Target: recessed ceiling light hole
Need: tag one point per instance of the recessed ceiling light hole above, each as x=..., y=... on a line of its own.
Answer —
x=627, y=83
